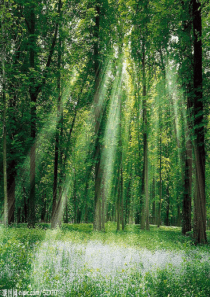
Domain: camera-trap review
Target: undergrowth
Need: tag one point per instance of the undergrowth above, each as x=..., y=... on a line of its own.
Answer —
x=76, y=261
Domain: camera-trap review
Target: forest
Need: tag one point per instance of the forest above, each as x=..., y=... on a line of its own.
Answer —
x=104, y=113
x=105, y=141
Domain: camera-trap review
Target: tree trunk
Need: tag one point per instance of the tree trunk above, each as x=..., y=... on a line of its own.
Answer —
x=55, y=209
x=187, y=157
x=146, y=187
x=75, y=198
x=167, y=205
x=33, y=96
x=160, y=189
x=122, y=200
x=186, y=215
x=25, y=206
x=62, y=190
x=11, y=169
x=103, y=207
x=153, y=204
x=11, y=196
x=121, y=159
x=5, y=155
x=145, y=196
x=4, y=130
x=55, y=183
x=199, y=229
x=98, y=171
x=66, y=218
x=43, y=213
x=118, y=201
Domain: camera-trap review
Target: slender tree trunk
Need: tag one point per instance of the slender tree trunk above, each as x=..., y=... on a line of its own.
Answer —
x=146, y=187
x=145, y=210
x=55, y=184
x=5, y=154
x=186, y=215
x=121, y=161
x=160, y=189
x=75, y=198
x=122, y=200
x=98, y=171
x=141, y=188
x=25, y=205
x=61, y=206
x=167, y=205
x=31, y=215
x=153, y=204
x=118, y=201
x=143, y=201
x=199, y=228
x=56, y=211
x=66, y=218
x=100, y=213
x=11, y=170
x=127, y=203
x=4, y=128
x=120, y=204
x=43, y=213
x=11, y=195
x=98, y=177
x=55, y=170
x=153, y=213
x=103, y=207
x=86, y=203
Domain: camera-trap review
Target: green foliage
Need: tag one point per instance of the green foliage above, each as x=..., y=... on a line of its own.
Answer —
x=160, y=30
x=36, y=259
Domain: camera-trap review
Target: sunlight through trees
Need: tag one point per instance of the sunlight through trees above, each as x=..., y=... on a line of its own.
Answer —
x=105, y=113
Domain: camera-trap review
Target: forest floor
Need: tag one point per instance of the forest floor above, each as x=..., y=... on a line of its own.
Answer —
x=76, y=261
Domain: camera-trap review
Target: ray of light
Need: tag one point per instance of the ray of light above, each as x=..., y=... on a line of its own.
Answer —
x=82, y=147
x=43, y=138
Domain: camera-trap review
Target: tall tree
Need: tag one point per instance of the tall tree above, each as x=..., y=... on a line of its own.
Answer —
x=199, y=228
x=55, y=184
x=34, y=90
x=145, y=192
x=3, y=57
x=186, y=76
x=31, y=21
x=98, y=173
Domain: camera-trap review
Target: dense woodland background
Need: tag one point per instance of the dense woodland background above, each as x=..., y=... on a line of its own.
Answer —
x=105, y=113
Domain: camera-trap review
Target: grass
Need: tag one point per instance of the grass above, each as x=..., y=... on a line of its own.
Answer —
x=76, y=261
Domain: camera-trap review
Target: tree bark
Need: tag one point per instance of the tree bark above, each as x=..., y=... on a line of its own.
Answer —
x=98, y=171
x=5, y=155
x=199, y=228
x=145, y=194
x=167, y=205
x=54, y=220
x=186, y=215
x=43, y=213
x=160, y=189
x=187, y=70
x=103, y=206
x=4, y=130
x=33, y=97
x=118, y=201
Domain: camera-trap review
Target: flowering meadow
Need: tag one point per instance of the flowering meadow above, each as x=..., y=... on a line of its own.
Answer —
x=76, y=261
